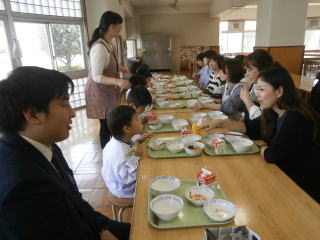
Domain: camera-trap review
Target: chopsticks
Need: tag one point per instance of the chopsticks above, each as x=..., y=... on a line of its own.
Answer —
x=230, y=134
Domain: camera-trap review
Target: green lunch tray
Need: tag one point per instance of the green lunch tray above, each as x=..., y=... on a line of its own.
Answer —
x=166, y=153
x=183, y=105
x=229, y=150
x=191, y=215
x=164, y=129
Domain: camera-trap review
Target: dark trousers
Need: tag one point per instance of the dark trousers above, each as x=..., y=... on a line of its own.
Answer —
x=120, y=230
x=104, y=132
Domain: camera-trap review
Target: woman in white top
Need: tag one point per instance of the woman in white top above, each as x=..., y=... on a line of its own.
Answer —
x=255, y=62
x=104, y=83
x=215, y=83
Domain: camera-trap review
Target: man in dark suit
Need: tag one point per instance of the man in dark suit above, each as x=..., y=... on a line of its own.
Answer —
x=39, y=198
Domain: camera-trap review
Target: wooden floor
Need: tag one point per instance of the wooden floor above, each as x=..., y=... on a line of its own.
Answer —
x=84, y=155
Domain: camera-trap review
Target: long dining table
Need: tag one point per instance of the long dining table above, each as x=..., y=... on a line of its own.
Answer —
x=268, y=201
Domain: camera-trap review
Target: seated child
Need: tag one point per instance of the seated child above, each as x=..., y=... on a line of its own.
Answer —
x=136, y=80
x=139, y=98
x=120, y=157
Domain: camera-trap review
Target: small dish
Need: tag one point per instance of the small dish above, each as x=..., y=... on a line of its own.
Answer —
x=220, y=210
x=155, y=126
x=166, y=119
x=222, y=116
x=196, y=116
x=164, y=184
x=174, y=104
x=187, y=138
x=175, y=147
x=163, y=104
x=199, y=195
x=194, y=148
x=191, y=102
x=214, y=114
x=156, y=144
x=205, y=99
x=179, y=123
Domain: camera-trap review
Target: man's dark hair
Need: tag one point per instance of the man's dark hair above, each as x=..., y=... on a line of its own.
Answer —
x=138, y=80
x=143, y=67
x=119, y=117
x=139, y=96
x=29, y=88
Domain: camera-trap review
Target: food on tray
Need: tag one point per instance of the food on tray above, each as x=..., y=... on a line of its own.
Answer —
x=157, y=144
x=217, y=213
x=219, y=146
x=197, y=197
x=185, y=131
x=196, y=148
x=205, y=177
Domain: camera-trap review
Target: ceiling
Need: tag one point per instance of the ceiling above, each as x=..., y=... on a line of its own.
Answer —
x=157, y=3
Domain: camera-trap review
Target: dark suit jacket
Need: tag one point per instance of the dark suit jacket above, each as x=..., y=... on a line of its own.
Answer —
x=36, y=202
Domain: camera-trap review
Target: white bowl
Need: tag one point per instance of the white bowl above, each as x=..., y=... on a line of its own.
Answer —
x=191, y=102
x=166, y=206
x=163, y=103
x=198, y=195
x=220, y=210
x=164, y=184
x=182, y=89
x=174, y=104
x=166, y=119
x=194, y=148
x=242, y=145
x=231, y=138
x=195, y=94
x=196, y=116
x=192, y=87
x=214, y=114
x=156, y=144
x=179, y=123
x=155, y=126
x=205, y=99
x=160, y=99
x=190, y=138
x=175, y=147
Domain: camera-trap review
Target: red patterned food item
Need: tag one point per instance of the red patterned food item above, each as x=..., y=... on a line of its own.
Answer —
x=205, y=177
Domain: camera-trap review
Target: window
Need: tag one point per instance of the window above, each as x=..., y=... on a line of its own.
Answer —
x=237, y=36
x=1, y=5
x=312, y=36
x=45, y=33
x=131, y=49
x=5, y=62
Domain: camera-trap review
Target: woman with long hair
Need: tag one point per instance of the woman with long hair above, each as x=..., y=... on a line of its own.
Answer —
x=290, y=129
x=104, y=83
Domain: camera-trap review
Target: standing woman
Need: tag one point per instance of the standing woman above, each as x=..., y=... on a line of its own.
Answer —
x=104, y=85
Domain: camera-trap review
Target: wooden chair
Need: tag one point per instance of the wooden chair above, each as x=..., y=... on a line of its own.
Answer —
x=121, y=203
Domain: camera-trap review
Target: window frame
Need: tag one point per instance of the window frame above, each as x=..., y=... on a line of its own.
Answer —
x=242, y=33
x=10, y=17
x=135, y=47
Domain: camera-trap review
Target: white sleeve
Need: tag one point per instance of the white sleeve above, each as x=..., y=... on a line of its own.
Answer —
x=99, y=58
x=254, y=112
x=128, y=171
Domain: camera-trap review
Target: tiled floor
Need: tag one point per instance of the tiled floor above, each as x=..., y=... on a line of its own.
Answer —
x=84, y=155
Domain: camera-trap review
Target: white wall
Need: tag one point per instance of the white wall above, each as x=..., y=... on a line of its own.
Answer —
x=186, y=29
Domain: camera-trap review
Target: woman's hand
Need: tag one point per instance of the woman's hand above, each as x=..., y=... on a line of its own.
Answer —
x=244, y=94
x=123, y=83
x=198, y=106
x=260, y=143
x=212, y=124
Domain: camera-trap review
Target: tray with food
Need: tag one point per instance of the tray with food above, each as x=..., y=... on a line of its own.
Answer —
x=164, y=104
x=175, y=147
x=174, y=203
x=229, y=143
